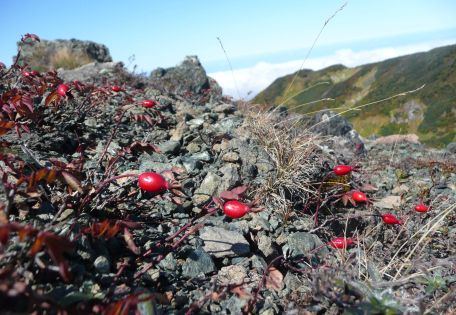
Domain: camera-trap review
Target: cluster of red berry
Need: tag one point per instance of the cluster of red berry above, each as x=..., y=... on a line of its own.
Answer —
x=358, y=196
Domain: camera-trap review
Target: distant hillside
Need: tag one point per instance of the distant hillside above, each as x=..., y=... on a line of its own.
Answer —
x=430, y=113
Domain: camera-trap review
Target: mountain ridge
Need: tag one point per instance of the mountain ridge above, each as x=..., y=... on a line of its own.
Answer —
x=430, y=112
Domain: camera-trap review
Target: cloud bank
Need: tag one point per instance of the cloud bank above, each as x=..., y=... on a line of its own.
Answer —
x=248, y=82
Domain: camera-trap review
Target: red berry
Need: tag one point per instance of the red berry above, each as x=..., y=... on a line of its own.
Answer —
x=421, y=208
x=34, y=73
x=341, y=170
x=359, y=196
x=148, y=103
x=26, y=74
x=63, y=89
x=390, y=219
x=235, y=209
x=152, y=182
x=341, y=242
x=116, y=88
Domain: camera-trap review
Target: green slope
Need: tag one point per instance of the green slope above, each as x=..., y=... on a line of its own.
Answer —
x=430, y=112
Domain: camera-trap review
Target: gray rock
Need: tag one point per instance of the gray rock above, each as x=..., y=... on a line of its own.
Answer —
x=193, y=147
x=451, y=147
x=265, y=245
x=301, y=243
x=169, y=262
x=258, y=263
x=169, y=147
x=234, y=304
x=197, y=263
x=166, y=207
x=215, y=308
x=191, y=164
x=231, y=275
x=255, y=162
x=154, y=162
x=304, y=224
x=388, y=202
x=267, y=311
x=224, y=108
x=228, y=124
x=293, y=283
x=260, y=222
x=196, y=122
x=91, y=122
x=230, y=177
x=207, y=188
x=202, y=156
x=230, y=157
x=152, y=274
x=178, y=133
x=219, y=242
x=102, y=265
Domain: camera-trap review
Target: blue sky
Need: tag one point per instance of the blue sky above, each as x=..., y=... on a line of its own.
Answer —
x=259, y=35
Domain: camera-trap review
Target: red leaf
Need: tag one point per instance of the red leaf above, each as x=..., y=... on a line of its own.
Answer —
x=274, y=279
x=121, y=307
x=138, y=146
x=4, y=235
x=28, y=102
x=179, y=193
x=168, y=175
x=178, y=170
x=352, y=202
x=368, y=188
x=48, y=175
x=345, y=199
x=36, y=247
x=5, y=126
x=217, y=201
x=53, y=97
x=25, y=127
x=56, y=246
x=241, y=293
x=72, y=181
x=240, y=189
x=129, y=224
x=177, y=200
x=228, y=195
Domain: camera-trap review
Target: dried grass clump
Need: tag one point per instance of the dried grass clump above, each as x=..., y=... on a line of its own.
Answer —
x=67, y=59
x=296, y=154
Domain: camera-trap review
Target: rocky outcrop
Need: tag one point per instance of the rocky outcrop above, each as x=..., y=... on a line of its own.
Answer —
x=185, y=79
x=67, y=54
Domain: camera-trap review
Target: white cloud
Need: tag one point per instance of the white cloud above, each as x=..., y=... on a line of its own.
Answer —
x=254, y=79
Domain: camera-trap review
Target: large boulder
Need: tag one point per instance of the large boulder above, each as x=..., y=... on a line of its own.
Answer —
x=67, y=54
x=185, y=79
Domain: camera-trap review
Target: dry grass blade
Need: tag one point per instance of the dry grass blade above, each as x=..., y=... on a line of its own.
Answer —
x=371, y=103
x=429, y=227
x=312, y=47
x=423, y=237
